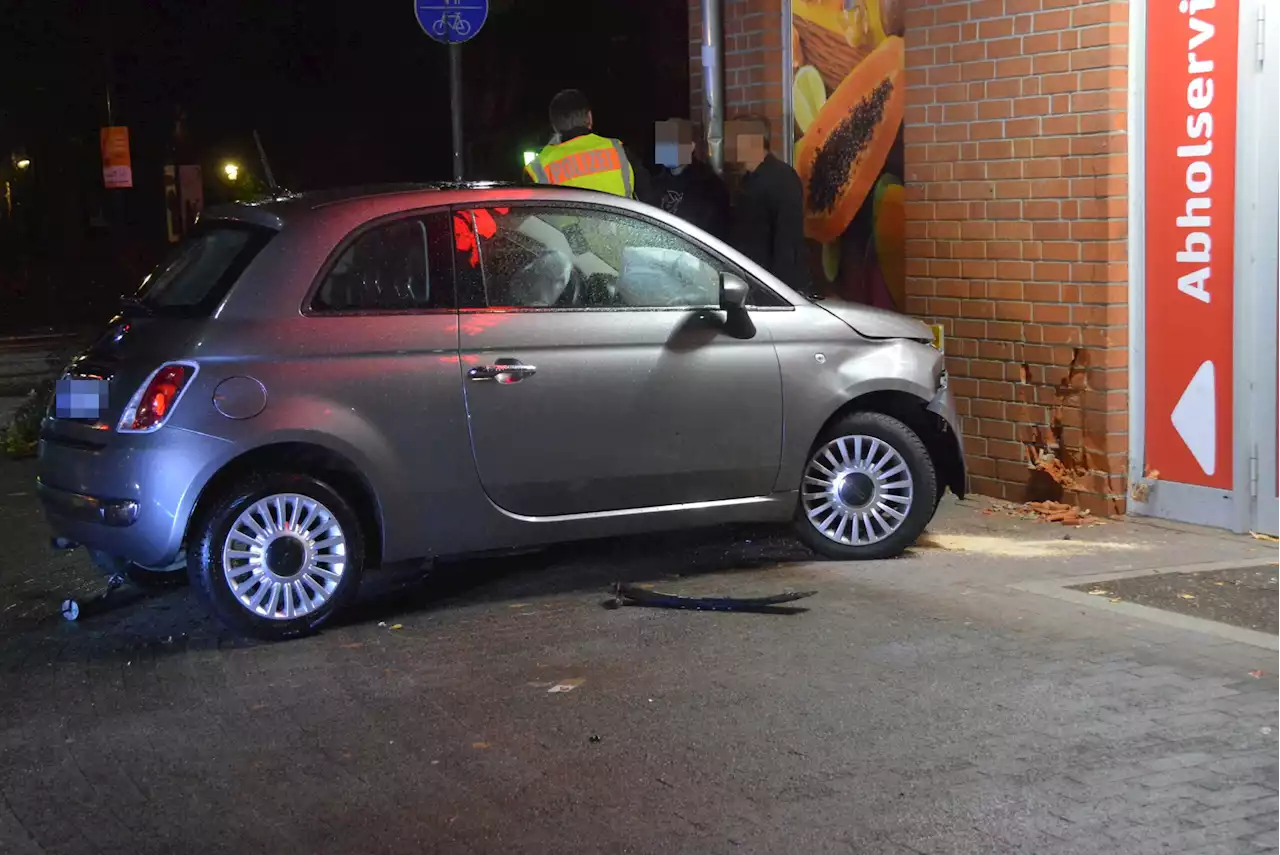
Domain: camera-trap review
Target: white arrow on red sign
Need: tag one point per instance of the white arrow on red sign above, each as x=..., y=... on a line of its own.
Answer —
x=1195, y=418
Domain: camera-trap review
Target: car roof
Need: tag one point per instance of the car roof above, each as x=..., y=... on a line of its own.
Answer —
x=286, y=207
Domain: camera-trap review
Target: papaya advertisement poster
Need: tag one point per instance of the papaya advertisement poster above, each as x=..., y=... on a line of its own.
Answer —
x=848, y=97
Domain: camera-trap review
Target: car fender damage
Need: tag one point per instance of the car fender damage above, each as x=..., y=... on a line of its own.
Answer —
x=905, y=379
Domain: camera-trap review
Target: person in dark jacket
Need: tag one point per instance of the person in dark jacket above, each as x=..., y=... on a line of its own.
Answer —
x=767, y=220
x=684, y=184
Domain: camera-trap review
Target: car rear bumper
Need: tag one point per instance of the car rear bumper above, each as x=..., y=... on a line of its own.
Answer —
x=117, y=513
x=131, y=497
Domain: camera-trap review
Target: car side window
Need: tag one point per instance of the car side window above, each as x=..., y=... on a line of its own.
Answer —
x=583, y=258
x=387, y=268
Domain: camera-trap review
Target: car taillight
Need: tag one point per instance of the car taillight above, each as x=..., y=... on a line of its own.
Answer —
x=155, y=400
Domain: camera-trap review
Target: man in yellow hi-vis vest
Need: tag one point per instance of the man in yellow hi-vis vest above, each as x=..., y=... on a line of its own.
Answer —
x=579, y=158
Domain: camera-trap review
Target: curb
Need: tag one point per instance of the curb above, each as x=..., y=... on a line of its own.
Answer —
x=1058, y=590
x=27, y=361
x=39, y=341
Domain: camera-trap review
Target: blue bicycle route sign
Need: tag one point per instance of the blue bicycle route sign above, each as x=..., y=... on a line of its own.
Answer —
x=451, y=21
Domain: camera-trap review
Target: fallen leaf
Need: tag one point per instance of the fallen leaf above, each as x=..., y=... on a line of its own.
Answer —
x=356, y=645
x=1257, y=674
x=1115, y=599
x=480, y=746
x=518, y=605
x=566, y=686
x=397, y=626
x=1187, y=596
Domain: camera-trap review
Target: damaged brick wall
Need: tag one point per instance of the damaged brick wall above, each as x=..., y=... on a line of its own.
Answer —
x=1017, y=235
x=753, y=61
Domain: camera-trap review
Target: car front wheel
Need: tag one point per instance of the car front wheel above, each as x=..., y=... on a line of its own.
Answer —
x=276, y=555
x=869, y=488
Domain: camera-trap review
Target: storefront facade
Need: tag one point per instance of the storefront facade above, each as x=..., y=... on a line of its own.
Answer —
x=1081, y=195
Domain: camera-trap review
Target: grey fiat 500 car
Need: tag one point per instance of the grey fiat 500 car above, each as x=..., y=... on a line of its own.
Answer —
x=321, y=384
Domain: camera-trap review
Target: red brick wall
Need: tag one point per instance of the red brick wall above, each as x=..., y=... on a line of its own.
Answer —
x=753, y=60
x=1017, y=227
x=1017, y=221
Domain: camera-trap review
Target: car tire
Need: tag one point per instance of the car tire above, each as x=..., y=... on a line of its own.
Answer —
x=850, y=514
x=308, y=560
x=147, y=578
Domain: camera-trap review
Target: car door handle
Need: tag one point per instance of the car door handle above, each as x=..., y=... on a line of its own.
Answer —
x=504, y=371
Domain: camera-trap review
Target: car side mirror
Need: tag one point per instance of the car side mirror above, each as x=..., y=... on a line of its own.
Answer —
x=733, y=292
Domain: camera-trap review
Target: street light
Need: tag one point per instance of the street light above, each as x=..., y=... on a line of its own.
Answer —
x=231, y=169
x=24, y=163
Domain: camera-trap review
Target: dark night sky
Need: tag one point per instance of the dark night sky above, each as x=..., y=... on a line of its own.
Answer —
x=341, y=93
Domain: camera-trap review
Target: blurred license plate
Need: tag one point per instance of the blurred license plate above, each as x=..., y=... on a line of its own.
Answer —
x=80, y=398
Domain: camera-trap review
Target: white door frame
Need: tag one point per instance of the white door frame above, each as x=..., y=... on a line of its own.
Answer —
x=1254, y=328
x=1257, y=232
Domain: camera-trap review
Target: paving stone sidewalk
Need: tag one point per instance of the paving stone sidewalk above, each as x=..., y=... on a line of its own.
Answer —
x=922, y=705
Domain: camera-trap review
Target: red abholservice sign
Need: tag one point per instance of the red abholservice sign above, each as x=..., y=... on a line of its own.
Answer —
x=1190, y=238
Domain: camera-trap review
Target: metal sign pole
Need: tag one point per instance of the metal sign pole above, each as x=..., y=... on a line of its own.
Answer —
x=455, y=105
x=452, y=22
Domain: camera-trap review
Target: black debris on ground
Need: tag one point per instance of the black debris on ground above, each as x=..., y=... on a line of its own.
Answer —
x=1244, y=597
x=638, y=595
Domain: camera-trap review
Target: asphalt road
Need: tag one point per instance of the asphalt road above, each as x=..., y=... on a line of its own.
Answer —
x=912, y=709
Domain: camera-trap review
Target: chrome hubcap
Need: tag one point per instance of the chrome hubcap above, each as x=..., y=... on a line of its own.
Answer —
x=857, y=490
x=285, y=556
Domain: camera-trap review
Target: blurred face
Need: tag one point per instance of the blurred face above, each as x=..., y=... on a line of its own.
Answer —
x=744, y=143
x=673, y=143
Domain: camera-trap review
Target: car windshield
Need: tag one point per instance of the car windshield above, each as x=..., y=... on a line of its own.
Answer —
x=200, y=271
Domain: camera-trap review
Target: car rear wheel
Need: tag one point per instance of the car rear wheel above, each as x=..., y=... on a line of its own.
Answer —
x=869, y=488
x=276, y=555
